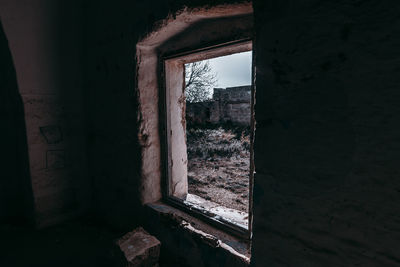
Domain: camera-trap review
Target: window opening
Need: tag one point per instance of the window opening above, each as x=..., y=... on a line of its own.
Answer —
x=218, y=94
x=210, y=172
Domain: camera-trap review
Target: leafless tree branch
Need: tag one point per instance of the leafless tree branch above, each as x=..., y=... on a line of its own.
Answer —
x=200, y=80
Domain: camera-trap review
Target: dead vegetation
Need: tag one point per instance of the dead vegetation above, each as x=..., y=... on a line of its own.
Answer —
x=219, y=161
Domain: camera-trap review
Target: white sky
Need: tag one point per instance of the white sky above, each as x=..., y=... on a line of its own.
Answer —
x=232, y=70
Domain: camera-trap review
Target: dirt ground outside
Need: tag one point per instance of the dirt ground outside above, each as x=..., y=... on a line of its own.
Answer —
x=219, y=165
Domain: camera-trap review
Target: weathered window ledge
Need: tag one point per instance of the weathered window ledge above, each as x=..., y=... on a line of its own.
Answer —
x=215, y=238
x=217, y=211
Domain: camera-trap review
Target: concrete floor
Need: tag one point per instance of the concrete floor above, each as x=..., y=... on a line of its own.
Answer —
x=76, y=243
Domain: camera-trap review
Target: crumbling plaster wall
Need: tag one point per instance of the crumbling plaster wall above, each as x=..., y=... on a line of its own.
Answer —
x=45, y=38
x=326, y=149
x=112, y=137
x=117, y=157
x=327, y=146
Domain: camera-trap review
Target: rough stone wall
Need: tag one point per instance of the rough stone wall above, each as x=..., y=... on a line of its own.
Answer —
x=46, y=43
x=234, y=104
x=184, y=247
x=113, y=147
x=111, y=99
x=326, y=149
x=202, y=112
x=227, y=105
x=327, y=145
x=326, y=190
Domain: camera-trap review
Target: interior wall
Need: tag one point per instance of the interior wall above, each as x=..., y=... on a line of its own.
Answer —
x=113, y=150
x=326, y=191
x=113, y=146
x=327, y=147
x=327, y=143
x=46, y=41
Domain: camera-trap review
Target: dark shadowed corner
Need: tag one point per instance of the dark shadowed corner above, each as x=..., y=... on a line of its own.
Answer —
x=16, y=199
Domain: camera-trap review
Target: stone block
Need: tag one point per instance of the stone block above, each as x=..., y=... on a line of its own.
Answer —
x=140, y=248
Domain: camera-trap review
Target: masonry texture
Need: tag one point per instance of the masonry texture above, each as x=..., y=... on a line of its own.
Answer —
x=327, y=146
x=228, y=105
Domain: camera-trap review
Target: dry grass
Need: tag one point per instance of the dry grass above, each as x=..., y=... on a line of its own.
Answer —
x=219, y=142
x=218, y=169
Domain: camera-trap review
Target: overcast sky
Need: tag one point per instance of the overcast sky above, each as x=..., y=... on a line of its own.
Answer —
x=232, y=70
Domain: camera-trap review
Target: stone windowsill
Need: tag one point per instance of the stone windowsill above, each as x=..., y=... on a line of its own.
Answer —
x=210, y=235
x=234, y=217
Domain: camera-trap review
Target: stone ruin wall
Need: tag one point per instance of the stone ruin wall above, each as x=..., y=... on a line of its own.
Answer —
x=230, y=105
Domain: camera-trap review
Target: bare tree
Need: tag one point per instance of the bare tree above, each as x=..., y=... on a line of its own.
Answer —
x=200, y=80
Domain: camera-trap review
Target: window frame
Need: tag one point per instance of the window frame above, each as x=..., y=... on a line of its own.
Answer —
x=187, y=56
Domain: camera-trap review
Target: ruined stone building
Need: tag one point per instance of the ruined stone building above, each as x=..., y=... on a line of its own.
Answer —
x=91, y=100
x=228, y=105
